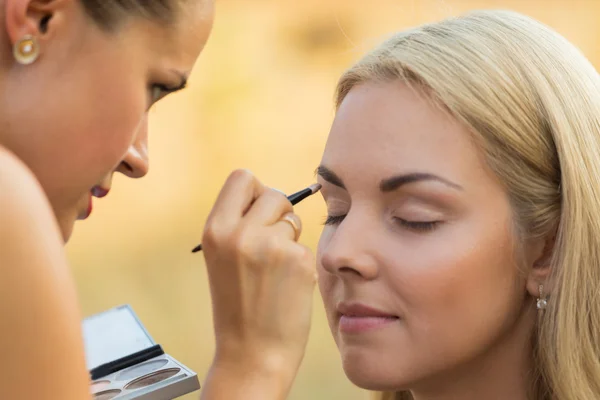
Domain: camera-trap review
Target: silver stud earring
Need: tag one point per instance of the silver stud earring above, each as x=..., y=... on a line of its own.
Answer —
x=26, y=50
x=541, y=301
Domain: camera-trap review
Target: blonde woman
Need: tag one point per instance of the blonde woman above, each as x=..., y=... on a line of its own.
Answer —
x=460, y=257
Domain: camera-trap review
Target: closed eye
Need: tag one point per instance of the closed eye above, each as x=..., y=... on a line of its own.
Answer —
x=418, y=226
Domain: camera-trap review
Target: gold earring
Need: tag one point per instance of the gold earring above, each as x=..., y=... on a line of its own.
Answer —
x=541, y=301
x=26, y=50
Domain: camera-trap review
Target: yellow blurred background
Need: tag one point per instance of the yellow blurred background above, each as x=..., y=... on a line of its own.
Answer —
x=260, y=98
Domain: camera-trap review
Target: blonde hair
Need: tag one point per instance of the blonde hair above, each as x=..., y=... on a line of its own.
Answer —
x=532, y=102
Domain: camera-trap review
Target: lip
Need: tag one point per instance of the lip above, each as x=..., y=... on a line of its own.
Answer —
x=89, y=209
x=360, y=318
x=361, y=310
x=99, y=192
x=85, y=214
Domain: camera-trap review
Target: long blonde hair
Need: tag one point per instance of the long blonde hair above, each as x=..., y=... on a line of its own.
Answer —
x=532, y=101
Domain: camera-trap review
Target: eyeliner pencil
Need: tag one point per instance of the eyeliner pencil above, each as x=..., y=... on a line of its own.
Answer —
x=293, y=198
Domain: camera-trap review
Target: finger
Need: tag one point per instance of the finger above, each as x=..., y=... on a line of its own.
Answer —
x=289, y=226
x=268, y=208
x=237, y=194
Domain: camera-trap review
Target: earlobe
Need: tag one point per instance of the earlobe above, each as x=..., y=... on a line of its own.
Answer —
x=30, y=17
x=540, y=270
x=17, y=21
x=27, y=25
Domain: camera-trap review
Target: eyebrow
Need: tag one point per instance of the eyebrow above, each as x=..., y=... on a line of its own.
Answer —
x=393, y=183
x=329, y=176
x=388, y=184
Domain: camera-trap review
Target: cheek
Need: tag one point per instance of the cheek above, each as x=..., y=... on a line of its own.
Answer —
x=102, y=107
x=113, y=122
x=88, y=123
x=326, y=280
x=460, y=290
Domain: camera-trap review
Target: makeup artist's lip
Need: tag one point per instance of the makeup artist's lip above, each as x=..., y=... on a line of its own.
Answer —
x=99, y=192
x=90, y=208
x=85, y=214
x=359, y=318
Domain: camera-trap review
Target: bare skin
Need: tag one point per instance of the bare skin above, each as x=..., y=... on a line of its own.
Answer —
x=456, y=316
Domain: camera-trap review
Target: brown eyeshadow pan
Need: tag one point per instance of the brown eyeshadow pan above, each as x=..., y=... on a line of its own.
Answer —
x=141, y=369
x=152, y=378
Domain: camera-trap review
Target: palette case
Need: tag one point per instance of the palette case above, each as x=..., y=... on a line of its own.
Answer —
x=125, y=363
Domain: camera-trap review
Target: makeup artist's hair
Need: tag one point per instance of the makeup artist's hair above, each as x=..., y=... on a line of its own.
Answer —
x=108, y=13
x=532, y=102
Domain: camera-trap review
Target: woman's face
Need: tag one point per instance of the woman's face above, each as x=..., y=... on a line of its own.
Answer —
x=79, y=113
x=416, y=261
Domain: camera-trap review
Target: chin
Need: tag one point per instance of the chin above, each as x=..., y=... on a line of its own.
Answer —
x=67, y=232
x=378, y=372
x=66, y=225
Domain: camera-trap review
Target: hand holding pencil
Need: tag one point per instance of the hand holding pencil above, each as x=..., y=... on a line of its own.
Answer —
x=262, y=282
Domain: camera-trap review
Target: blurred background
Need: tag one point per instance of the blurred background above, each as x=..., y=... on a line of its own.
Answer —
x=260, y=98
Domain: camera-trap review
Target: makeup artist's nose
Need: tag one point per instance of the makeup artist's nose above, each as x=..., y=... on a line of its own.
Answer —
x=349, y=253
x=135, y=164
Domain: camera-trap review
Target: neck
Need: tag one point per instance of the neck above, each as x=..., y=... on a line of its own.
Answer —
x=502, y=372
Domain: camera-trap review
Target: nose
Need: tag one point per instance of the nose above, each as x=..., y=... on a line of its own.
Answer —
x=135, y=164
x=349, y=251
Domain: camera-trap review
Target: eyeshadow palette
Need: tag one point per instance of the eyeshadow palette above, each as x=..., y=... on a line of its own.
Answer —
x=125, y=362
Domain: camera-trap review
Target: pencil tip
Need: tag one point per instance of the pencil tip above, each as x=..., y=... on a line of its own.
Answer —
x=315, y=188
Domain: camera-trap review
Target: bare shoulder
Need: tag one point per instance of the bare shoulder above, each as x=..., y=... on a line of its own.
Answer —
x=39, y=316
x=22, y=199
x=28, y=228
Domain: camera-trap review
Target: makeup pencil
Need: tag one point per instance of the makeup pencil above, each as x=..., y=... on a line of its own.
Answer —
x=293, y=198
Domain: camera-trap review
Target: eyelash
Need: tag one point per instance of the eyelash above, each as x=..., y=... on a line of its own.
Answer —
x=164, y=90
x=417, y=226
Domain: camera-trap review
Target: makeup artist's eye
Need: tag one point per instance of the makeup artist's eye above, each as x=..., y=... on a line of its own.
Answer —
x=417, y=226
x=334, y=219
x=157, y=92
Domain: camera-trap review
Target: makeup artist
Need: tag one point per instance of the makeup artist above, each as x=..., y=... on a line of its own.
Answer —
x=77, y=78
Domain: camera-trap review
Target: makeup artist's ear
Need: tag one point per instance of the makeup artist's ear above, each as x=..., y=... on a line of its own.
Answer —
x=34, y=17
x=539, y=258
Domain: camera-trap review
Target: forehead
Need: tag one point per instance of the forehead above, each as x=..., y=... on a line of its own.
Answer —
x=383, y=129
x=179, y=44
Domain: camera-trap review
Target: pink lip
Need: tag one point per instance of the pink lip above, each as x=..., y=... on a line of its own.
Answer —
x=90, y=207
x=358, y=318
x=88, y=211
x=99, y=192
